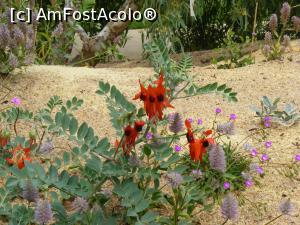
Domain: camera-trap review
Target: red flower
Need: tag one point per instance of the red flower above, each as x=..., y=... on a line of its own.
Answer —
x=154, y=98
x=197, y=146
x=19, y=156
x=130, y=136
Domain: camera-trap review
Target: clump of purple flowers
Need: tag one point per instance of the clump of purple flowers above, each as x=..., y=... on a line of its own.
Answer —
x=174, y=179
x=43, y=212
x=175, y=123
x=30, y=192
x=226, y=128
x=285, y=13
x=80, y=205
x=273, y=22
x=16, y=44
x=230, y=207
x=285, y=206
x=217, y=158
x=296, y=23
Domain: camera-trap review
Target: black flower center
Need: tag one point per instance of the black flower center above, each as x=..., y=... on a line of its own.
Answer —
x=143, y=97
x=205, y=144
x=138, y=128
x=160, y=98
x=151, y=99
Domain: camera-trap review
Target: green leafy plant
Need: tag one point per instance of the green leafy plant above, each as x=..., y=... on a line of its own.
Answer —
x=286, y=117
x=235, y=58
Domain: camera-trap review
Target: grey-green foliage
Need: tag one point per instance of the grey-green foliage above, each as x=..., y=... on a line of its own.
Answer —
x=177, y=74
x=121, y=110
x=288, y=116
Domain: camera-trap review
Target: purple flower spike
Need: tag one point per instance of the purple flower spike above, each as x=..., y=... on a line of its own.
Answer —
x=218, y=110
x=297, y=158
x=16, y=101
x=268, y=144
x=233, y=116
x=226, y=185
x=259, y=170
x=248, y=183
x=200, y=122
x=190, y=120
x=264, y=157
x=177, y=148
x=149, y=136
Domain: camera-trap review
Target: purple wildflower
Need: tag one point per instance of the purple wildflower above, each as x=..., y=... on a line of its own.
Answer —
x=273, y=22
x=286, y=42
x=197, y=174
x=268, y=144
x=254, y=152
x=18, y=35
x=248, y=183
x=218, y=110
x=190, y=120
x=178, y=148
x=226, y=185
x=229, y=207
x=267, y=119
x=4, y=36
x=233, y=116
x=13, y=61
x=16, y=101
x=264, y=157
x=285, y=13
x=46, y=147
x=268, y=37
x=266, y=50
x=267, y=124
x=43, y=213
x=217, y=158
x=226, y=128
x=286, y=207
x=174, y=179
x=149, y=136
x=296, y=23
x=175, y=123
x=259, y=170
x=200, y=122
x=247, y=146
x=80, y=205
x=297, y=157
x=30, y=193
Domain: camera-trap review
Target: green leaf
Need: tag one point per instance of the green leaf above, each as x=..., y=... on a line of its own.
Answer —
x=73, y=126
x=82, y=131
x=65, y=122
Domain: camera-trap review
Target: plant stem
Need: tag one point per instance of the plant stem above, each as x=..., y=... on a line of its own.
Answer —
x=176, y=208
x=277, y=217
x=225, y=221
x=254, y=26
x=15, y=123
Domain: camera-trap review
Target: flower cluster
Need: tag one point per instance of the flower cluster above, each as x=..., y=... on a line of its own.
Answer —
x=273, y=49
x=155, y=99
x=17, y=45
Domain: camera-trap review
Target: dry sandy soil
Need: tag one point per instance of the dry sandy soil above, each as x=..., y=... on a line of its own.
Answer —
x=274, y=79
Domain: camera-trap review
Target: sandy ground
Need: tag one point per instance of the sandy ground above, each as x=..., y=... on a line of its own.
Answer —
x=274, y=79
